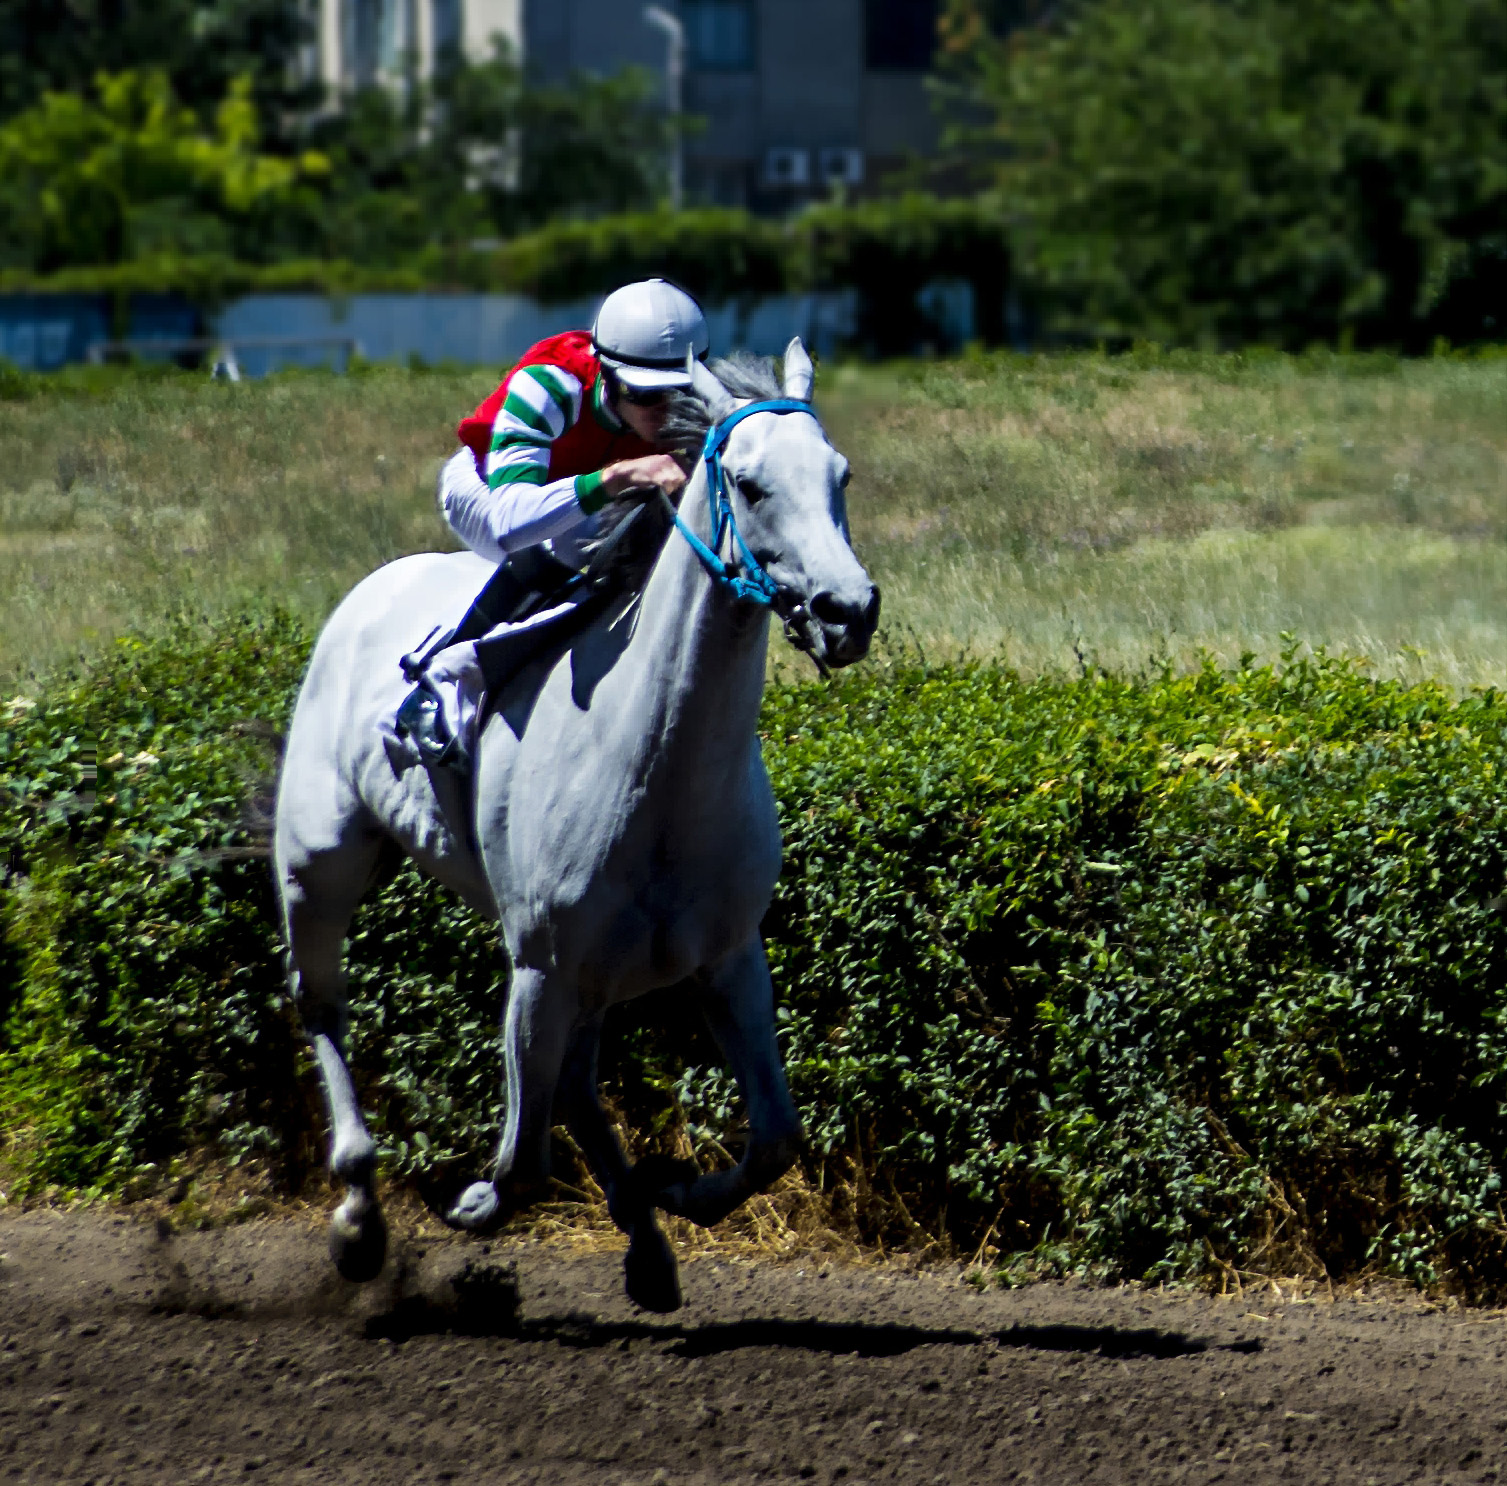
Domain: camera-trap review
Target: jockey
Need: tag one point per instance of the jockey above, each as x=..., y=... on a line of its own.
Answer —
x=575, y=424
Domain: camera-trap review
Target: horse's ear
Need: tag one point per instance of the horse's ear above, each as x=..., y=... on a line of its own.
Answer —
x=798, y=372
x=719, y=401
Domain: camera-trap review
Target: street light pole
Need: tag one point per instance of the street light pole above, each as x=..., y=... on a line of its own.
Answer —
x=662, y=20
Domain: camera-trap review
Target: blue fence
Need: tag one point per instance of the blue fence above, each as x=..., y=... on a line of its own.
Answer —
x=264, y=332
x=41, y=332
x=484, y=329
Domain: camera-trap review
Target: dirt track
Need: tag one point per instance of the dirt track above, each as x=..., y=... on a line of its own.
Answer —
x=129, y=1356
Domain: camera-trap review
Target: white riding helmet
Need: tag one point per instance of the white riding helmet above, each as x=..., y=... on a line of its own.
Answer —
x=644, y=331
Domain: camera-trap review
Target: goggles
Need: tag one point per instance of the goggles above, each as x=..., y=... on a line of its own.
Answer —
x=641, y=397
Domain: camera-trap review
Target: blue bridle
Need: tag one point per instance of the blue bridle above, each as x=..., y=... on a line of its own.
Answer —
x=752, y=582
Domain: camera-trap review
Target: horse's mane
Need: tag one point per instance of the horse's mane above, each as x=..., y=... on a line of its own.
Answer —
x=627, y=562
x=623, y=555
x=747, y=378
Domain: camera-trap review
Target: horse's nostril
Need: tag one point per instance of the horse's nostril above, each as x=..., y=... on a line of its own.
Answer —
x=830, y=609
x=850, y=614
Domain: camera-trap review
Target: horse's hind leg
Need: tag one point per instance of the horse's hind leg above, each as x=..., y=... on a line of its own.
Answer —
x=319, y=890
x=649, y=1270
x=739, y=1003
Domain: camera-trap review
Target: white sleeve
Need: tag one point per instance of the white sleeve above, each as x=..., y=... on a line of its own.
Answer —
x=493, y=523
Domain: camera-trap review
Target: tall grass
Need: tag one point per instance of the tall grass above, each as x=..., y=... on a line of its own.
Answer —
x=127, y=499
x=1125, y=510
x=1056, y=510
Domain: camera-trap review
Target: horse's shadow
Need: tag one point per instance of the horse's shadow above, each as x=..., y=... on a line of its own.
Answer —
x=833, y=1338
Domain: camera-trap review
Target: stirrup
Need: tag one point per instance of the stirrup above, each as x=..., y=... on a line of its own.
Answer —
x=421, y=719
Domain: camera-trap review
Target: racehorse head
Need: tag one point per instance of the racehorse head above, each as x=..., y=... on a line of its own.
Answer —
x=786, y=486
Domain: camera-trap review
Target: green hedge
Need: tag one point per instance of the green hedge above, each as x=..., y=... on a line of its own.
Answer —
x=886, y=250
x=717, y=254
x=890, y=250
x=210, y=279
x=1150, y=975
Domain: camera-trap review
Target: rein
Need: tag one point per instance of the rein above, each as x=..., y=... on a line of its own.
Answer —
x=746, y=580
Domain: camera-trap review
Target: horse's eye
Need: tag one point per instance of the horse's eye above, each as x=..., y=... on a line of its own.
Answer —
x=749, y=491
x=847, y=475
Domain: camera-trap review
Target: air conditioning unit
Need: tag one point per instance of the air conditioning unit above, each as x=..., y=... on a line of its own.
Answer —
x=840, y=166
x=787, y=167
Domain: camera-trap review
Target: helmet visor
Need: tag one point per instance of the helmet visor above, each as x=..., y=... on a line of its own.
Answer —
x=648, y=378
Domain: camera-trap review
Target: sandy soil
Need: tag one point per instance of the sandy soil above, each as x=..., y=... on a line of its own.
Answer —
x=129, y=1353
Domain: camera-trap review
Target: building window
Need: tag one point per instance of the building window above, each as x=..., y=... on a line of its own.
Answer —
x=358, y=44
x=719, y=34
x=900, y=35
x=718, y=182
x=447, y=24
x=392, y=36
x=376, y=41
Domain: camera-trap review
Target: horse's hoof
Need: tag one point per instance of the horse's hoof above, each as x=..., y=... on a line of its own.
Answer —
x=358, y=1245
x=477, y=1209
x=650, y=1272
x=663, y=1181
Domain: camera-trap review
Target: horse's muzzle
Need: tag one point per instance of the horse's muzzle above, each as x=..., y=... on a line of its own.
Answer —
x=847, y=624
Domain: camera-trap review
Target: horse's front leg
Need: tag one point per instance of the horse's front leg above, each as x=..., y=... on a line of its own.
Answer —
x=649, y=1269
x=739, y=1004
x=536, y=1031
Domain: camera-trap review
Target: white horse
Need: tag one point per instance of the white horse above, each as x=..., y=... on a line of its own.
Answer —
x=622, y=829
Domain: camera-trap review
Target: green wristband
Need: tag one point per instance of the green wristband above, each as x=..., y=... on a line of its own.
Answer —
x=591, y=493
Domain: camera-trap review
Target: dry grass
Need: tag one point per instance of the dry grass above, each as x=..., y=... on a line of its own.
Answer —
x=1077, y=508
x=152, y=497
x=1050, y=509
x=794, y=1222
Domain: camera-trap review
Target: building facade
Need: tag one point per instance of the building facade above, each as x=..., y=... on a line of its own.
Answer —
x=796, y=95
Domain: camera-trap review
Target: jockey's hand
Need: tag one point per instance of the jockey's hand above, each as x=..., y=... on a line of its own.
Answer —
x=640, y=478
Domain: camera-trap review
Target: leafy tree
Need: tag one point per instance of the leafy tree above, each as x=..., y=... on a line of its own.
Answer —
x=1239, y=170
x=100, y=181
x=487, y=153
x=591, y=146
x=201, y=45
x=482, y=152
x=133, y=171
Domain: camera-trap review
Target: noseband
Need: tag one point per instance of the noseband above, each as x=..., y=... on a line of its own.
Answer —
x=745, y=578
